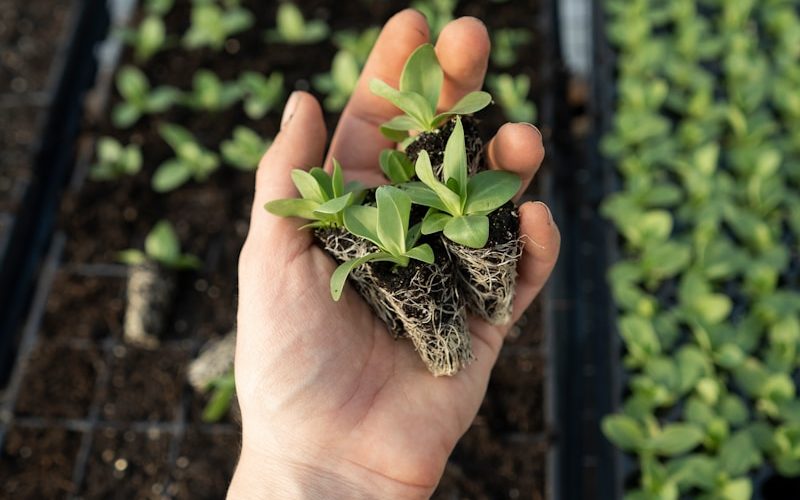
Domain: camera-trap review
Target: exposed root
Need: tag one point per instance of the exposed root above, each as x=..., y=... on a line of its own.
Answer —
x=214, y=361
x=487, y=276
x=427, y=308
x=150, y=291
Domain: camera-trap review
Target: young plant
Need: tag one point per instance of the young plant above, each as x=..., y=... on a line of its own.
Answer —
x=151, y=284
x=505, y=44
x=222, y=391
x=323, y=198
x=209, y=93
x=158, y=7
x=293, y=29
x=418, y=95
x=147, y=39
x=339, y=84
x=213, y=24
x=245, y=150
x=139, y=98
x=161, y=247
x=115, y=160
x=460, y=205
x=387, y=227
x=358, y=44
x=512, y=95
x=396, y=166
x=261, y=94
x=191, y=161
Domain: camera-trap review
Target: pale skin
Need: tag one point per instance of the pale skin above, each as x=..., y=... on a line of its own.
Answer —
x=332, y=406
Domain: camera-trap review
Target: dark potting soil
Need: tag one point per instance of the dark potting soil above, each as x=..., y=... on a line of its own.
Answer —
x=205, y=464
x=19, y=126
x=38, y=463
x=59, y=382
x=503, y=225
x=145, y=385
x=127, y=464
x=434, y=143
x=93, y=304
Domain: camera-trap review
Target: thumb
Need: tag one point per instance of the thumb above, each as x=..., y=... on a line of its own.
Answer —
x=299, y=144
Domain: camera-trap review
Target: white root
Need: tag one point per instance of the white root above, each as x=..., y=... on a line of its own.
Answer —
x=487, y=276
x=215, y=360
x=150, y=290
x=429, y=310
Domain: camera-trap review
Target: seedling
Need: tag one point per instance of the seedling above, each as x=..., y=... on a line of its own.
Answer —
x=261, y=94
x=212, y=25
x=396, y=166
x=151, y=284
x=418, y=95
x=387, y=227
x=292, y=28
x=437, y=12
x=191, y=161
x=158, y=7
x=162, y=247
x=209, y=93
x=115, y=160
x=512, y=95
x=505, y=44
x=340, y=83
x=147, y=39
x=222, y=391
x=245, y=150
x=357, y=44
x=323, y=199
x=139, y=98
x=460, y=205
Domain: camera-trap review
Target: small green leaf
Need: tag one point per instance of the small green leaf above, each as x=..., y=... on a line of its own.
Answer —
x=293, y=207
x=132, y=257
x=396, y=166
x=490, y=190
x=470, y=103
x=337, y=179
x=435, y=222
x=422, y=253
x=339, y=276
x=170, y=175
x=675, y=439
x=308, y=186
x=624, y=432
x=220, y=401
x=423, y=195
x=423, y=75
x=362, y=221
x=125, y=114
x=132, y=84
x=739, y=454
x=394, y=208
x=455, y=161
x=414, y=105
x=162, y=243
x=425, y=173
x=397, y=128
x=470, y=230
x=334, y=206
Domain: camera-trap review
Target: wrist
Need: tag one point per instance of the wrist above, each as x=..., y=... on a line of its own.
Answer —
x=264, y=476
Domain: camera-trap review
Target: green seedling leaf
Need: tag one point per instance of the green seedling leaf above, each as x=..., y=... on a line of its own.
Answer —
x=422, y=195
x=469, y=230
x=397, y=128
x=624, y=432
x=334, y=206
x=490, y=190
x=414, y=105
x=394, y=208
x=223, y=391
x=339, y=277
x=337, y=179
x=423, y=75
x=132, y=257
x=455, y=161
x=435, y=222
x=422, y=253
x=739, y=454
x=304, y=209
x=448, y=198
x=162, y=243
x=363, y=221
x=245, y=150
x=396, y=166
x=324, y=180
x=308, y=186
x=470, y=103
x=170, y=175
x=676, y=439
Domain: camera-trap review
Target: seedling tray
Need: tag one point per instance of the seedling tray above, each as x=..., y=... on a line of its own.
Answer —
x=27, y=226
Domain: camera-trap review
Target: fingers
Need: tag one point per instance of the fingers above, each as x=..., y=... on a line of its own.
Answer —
x=463, y=51
x=357, y=142
x=518, y=148
x=299, y=144
x=542, y=241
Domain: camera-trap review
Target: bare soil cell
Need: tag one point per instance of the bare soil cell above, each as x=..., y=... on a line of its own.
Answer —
x=144, y=385
x=205, y=464
x=127, y=464
x=59, y=382
x=93, y=304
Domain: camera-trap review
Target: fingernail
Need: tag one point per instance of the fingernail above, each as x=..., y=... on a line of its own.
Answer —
x=291, y=107
x=546, y=209
x=531, y=125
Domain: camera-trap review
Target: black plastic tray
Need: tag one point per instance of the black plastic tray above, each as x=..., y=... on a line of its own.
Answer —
x=31, y=228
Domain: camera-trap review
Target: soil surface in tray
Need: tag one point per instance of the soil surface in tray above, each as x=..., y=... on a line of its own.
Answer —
x=502, y=456
x=38, y=463
x=59, y=382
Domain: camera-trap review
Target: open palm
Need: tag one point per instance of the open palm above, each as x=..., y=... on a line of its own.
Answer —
x=332, y=406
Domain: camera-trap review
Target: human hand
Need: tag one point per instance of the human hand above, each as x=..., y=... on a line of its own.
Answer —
x=332, y=406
